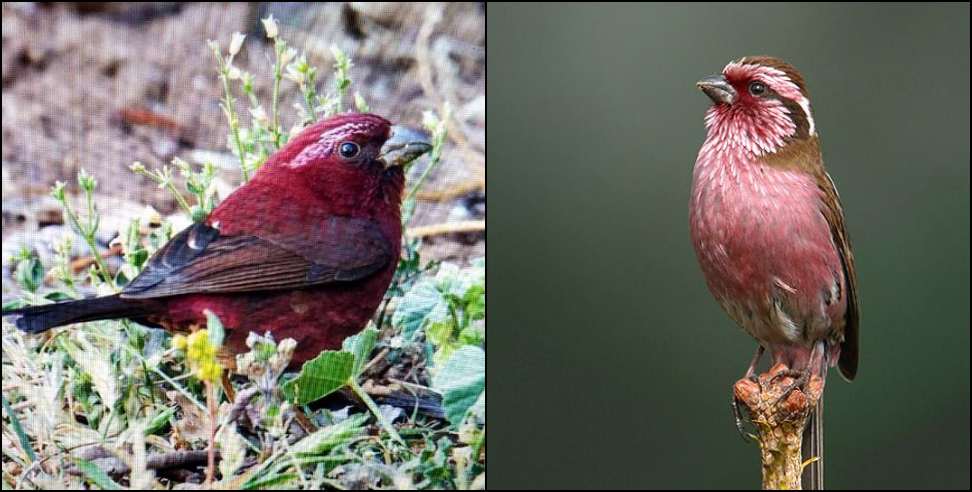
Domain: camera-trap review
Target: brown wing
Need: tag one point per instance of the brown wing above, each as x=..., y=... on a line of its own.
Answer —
x=804, y=156
x=834, y=212
x=199, y=260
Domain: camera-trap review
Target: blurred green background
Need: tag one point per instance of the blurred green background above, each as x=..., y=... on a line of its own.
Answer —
x=612, y=364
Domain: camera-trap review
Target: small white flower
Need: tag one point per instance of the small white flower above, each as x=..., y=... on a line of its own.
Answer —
x=341, y=60
x=259, y=114
x=236, y=43
x=252, y=339
x=270, y=25
x=294, y=74
x=286, y=352
x=288, y=55
x=234, y=73
x=430, y=120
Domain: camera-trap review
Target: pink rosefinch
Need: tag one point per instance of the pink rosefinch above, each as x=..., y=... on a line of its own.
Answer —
x=768, y=227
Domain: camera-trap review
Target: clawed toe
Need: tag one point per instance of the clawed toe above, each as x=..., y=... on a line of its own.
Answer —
x=788, y=373
x=800, y=381
x=738, y=418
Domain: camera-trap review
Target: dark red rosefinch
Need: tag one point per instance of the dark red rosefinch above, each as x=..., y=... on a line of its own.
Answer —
x=305, y=249
x=767, y=223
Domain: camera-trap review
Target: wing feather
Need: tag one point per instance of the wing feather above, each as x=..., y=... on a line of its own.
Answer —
x=200, y=260
x=804, y=156
x=834, y=212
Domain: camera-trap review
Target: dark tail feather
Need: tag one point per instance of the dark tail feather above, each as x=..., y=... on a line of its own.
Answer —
x=35, y=319
x=813, y=447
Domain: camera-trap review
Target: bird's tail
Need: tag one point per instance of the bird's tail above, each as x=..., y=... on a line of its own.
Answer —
x=813, y=447
x=35, y=319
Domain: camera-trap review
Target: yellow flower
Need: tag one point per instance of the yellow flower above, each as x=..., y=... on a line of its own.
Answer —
x=179, y=342
x=209, y=371
x=201, y=356
x=197, y=342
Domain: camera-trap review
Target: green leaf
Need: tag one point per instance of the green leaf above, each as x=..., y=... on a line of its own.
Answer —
x=361, y=346
x=442, y=354
x=30, y=274
x=475, y=300
x=320, y=377
x=422, y=302
x=270, y=482
x=439, y=333
x=472, y=335
x=434, y=463
x=215, y=329
x=19, y=430
x=57, y=296
x=462, y=382
x=14, y=304
x=330, y=437
x=159, y=421
x=137, y=257
x=96, y=475
x=449, y=279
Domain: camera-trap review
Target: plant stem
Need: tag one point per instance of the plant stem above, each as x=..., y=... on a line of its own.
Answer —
x=182, y=201
x=425, y=174
x=385, y=424
x=99, y=261
x=309, y=96
x=477, y=447
x=233, y=122
x=277, y=75
x=89, y=239
x=211, y=401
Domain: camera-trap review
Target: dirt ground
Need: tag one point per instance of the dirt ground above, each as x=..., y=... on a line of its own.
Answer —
x=98, y=86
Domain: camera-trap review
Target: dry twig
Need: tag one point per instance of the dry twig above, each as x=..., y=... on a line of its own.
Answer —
x=447, y=228
x=779, y=419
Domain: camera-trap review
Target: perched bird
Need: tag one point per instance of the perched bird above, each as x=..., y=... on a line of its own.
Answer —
x=768, y=227
x=305, y=249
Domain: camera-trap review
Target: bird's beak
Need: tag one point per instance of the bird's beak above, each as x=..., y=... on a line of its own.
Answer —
x=403, y=146
x=718, y=89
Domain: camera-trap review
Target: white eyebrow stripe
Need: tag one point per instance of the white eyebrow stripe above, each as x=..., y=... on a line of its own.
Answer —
x=805, y=104
x=349, y=128
x=326, y=141
x=780, y=81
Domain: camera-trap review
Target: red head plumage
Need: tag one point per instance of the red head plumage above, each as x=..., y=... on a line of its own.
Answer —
x=760, y=103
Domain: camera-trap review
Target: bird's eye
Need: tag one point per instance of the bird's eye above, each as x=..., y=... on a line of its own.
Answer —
x=757, y=88
x=349, y=150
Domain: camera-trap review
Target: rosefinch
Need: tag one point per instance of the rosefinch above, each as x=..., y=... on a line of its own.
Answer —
x=305, y=249
x=768, y=227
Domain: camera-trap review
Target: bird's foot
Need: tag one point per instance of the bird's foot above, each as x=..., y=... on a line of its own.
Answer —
x=737, y=416
x=800, y=380
x=742, y=392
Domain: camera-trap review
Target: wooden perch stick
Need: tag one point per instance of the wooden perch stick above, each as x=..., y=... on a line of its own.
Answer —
x=452, y=193
x=447, y=228
x=780, y=423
